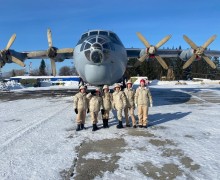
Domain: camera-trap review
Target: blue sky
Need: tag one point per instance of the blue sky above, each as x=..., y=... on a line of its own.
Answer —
x=68, y=19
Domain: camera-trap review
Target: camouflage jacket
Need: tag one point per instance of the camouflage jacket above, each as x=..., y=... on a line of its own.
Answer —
x=143, y=96
x=107, y=101
x=80, y=101
x=119, y=100
x=130, y=94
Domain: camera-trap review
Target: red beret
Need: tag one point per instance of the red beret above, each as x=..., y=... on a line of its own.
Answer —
x=142, y=80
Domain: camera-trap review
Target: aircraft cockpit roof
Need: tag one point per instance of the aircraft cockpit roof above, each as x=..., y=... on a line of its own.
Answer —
x=110, y=34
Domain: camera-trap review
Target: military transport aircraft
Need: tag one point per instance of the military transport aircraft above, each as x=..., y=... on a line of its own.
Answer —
x=101, y=58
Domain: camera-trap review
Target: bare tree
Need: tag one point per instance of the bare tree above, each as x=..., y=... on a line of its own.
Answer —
x=65, y=71
x=73, y=71
x=20, y=72
x=34, y=72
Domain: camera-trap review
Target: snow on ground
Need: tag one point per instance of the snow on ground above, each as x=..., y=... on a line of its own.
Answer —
x=10, y=85
x=38, y=138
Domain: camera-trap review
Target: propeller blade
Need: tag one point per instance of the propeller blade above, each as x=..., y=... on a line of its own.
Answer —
x=17, y=61
x=190, y=42
x=164, y=40
x=162, y=62
x=211, y=63
x=53, y=67
x=209, y=41
x=10, y=42
x=142, y=58
x=143, y=40
x=49, y=38
x=138, y=63
x=189, y=62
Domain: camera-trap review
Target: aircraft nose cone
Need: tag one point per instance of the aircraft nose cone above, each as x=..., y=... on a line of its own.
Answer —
x=98, y=75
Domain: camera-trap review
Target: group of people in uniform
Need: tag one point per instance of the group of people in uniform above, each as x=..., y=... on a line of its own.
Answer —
x=120, y=101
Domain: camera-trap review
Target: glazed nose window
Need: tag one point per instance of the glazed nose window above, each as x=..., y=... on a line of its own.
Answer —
x=97, y=46
x=97, y=56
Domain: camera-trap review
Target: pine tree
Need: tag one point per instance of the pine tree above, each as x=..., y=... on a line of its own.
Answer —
x=42, y=67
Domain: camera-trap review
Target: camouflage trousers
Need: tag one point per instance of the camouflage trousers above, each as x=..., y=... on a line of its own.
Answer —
x=81, y=116
x=130, y=111
x=119, y=114
x=105, y=115
x=143, y=115
x=94, y=117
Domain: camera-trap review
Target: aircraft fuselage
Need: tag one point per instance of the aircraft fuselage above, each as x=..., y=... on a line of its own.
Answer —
x=100, y=57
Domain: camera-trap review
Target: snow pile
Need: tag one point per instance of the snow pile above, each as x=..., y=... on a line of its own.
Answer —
x=10, y=85
x=195, y=83
x=71, y=83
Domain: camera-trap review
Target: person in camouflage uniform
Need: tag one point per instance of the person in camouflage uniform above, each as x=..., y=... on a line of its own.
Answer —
x=119, y=103
x=130, y=94
x=80, y=105
x=95, y=103
x=142, y=99
x=107, y=105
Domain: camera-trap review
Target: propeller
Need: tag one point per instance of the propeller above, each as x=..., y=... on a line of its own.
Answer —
x=198, y=52
x=6, y=56
x=152, y=50
x=52, y=52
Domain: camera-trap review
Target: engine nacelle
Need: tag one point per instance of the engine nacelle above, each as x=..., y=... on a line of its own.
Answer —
x=186, y=54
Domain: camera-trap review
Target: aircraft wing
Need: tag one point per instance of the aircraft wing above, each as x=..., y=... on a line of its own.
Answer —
x=133, y=52
x=56, y=54
x=212, y=53
x=169, y=53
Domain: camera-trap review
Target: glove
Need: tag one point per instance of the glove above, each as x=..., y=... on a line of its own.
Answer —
x=93, y=92
x=76, y=110
x=151, y=104
x=102, y=111
x=88, y=111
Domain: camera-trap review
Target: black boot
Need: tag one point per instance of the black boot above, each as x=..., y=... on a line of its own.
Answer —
x=82, y=126
x=94, y=127
x=78, y=127
x=119, y=126
x=106, y=123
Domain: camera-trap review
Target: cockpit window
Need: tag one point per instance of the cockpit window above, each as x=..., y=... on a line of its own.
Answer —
x=115, y=38
x=103, y=33
x=87, y=46
x=82, y=47
x=84, y=35
x=93, y=33
x=101, y=41
x=92, y=40
x=97, y=46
